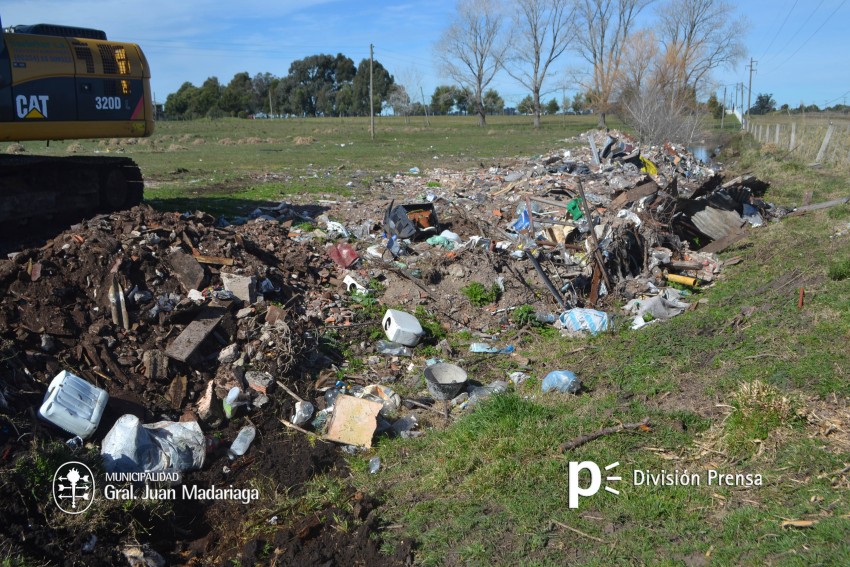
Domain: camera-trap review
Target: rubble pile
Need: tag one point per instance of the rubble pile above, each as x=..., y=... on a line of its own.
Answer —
x=196, y=318
x=339, y=318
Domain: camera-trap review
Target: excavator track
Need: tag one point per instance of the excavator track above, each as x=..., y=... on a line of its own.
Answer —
x=37, y=187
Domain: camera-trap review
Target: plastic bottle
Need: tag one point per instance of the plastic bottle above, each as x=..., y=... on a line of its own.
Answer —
x=374, y=465
x=330, y=397
x=242, y=442
x=303, y=413
x=545, y=317
x=232, y=403
x=391, y=348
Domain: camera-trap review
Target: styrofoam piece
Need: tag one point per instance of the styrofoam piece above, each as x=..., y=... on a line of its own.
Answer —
x=73, y=404
x=401, y=327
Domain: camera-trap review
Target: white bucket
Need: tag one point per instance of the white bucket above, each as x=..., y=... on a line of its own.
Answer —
x=73, y=404
x=402, y=327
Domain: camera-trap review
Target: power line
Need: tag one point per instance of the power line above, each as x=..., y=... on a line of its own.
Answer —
x=836, y=99
x=787, y=43
x=782, y=25
x=828, y=18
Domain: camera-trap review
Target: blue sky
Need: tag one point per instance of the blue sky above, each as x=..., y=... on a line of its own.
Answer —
x=800, y=46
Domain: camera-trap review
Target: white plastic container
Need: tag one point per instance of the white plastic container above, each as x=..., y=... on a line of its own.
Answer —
x=402, y=327
x=73, y=404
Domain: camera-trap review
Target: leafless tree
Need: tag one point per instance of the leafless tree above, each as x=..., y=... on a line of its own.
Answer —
x=472, y=49
x=603, y=30
x=543, y=30
x=702, y=35
x=399, y=100
x=650, y=97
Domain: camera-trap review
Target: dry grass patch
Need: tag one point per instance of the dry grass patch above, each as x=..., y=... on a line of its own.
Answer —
x=304, y=141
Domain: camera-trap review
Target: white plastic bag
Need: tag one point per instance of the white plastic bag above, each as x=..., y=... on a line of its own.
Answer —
x=131, y=446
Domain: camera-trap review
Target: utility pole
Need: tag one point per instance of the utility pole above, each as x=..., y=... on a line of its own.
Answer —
x=750, y=88
x=564, y=103
x=371, y=97
x=424, y=106
x=723, y=109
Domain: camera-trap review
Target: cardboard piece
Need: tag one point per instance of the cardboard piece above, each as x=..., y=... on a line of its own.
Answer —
x=353, y=421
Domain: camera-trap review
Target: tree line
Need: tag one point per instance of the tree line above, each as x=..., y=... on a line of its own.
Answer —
x=652, y=76
x=318, y=85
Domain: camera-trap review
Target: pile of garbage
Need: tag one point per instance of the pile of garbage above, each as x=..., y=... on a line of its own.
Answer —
x=193, y=321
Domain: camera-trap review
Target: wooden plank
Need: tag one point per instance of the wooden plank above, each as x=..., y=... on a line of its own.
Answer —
x=217, y=260
x=817, y=206
x=722, y=244
x=185, y=345
x=634, y=194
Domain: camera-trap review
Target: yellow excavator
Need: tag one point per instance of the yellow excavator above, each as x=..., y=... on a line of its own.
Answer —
x=68, y=83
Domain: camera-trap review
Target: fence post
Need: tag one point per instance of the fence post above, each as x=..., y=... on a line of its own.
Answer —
x=776, y=136
x=825, y=143
x=793, y=136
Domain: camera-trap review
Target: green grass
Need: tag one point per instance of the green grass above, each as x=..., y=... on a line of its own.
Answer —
x=227, y=166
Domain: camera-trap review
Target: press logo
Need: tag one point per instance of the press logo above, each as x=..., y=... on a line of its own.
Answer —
x=73, y=487
x=575, y=488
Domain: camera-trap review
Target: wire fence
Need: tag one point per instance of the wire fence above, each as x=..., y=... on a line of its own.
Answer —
x=812, y=141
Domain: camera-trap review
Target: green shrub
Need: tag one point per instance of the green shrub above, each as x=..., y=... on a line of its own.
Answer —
x=479, y=295
x=840, y=271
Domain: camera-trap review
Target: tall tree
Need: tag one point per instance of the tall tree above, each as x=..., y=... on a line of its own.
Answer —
x=177, y=104
x=443, y=99
x=207, y=99
x=311, y=87
x=552, y=107
x=399, y=101
x=237, y=96
x=493, y=103
x=579, y=102
x=603, y=29
x=701, y=35
x=543, y=30
x=526, y=105
x=262, y=85
x=472, y=49
x=382, y=83
x=765, y=103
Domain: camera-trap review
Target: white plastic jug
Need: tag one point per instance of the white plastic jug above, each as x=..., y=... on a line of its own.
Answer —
x=73, y=404
x=402, y=327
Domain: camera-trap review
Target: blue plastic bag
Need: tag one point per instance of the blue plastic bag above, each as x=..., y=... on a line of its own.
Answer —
x=577, y=320
x=561, y=380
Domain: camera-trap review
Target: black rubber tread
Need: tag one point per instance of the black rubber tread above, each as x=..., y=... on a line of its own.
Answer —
x=43, y=186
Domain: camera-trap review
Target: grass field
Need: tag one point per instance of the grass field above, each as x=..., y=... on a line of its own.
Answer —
x=219, y=165
x=747, y=383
